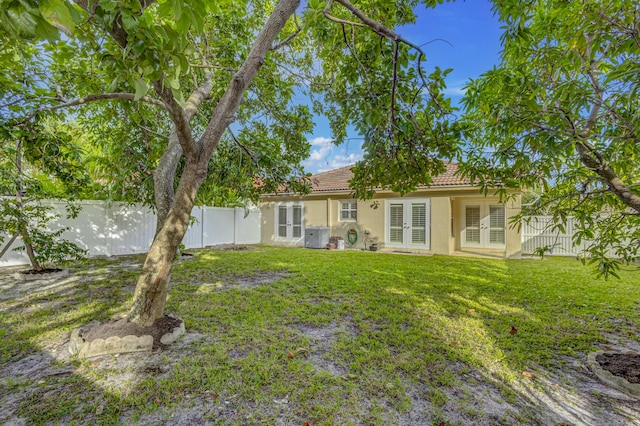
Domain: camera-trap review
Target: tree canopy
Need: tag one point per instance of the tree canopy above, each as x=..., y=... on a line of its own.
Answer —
x=213, y=94
x=560, y=116
x=185, y=97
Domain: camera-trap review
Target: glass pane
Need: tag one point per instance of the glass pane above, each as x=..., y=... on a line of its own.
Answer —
x=354, y=206
x=344, y=214
x=418, y=223
x=297, y=221
x=396, y=223
x=496, y=225
x=354, y=214
x=282, y=221
x=472, y=224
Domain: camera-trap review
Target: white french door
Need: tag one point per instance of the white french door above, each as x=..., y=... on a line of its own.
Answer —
x=408, y=223
x=483, y=224
x=289, y=221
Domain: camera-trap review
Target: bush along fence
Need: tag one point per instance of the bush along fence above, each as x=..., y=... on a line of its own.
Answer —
x=108, y=229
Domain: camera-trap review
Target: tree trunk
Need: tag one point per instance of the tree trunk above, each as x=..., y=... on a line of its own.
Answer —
x=163, y=180
x=6, y=247
x=153, y=284
x=23, y=222
x=165, y=173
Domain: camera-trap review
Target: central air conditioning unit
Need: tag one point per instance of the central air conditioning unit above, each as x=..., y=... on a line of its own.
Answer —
x=316, y=237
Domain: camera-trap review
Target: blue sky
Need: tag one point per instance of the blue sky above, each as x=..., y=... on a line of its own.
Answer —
x=472, y=46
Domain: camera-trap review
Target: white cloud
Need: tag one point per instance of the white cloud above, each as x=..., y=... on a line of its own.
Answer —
x=326, y=156
x=324, y=148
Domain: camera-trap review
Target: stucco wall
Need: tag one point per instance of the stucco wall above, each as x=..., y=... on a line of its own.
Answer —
x=514, y=236
x=370, y=218
x=441, y=225
x=445, y=213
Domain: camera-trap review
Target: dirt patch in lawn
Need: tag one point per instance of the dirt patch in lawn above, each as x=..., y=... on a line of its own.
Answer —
x=233, y=247
x=241, y=282
x=321, y=341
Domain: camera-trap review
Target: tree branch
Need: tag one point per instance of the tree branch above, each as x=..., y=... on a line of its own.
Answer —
x=179, y=117
x=163, y=176
x=224, y=112
x=94, y=98
x=244, y=148
x=287, y=40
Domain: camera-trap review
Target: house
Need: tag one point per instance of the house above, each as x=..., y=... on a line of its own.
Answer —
x=449, y=217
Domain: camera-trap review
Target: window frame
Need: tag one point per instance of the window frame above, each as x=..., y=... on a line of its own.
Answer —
x=349, y=210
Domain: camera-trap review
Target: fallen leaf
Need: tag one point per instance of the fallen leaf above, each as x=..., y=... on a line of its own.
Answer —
x=442, y=423
x=528, y=375
x=350, y=376
x=100, y=409
x=513, y=330
x=607, y=347
x=215, y=396
x=290, y=355
x=471, y=311
x=303, y=351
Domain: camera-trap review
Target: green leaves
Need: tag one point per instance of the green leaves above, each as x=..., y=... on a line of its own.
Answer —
x=59, y=14
x=141, y=88
x=559, y=116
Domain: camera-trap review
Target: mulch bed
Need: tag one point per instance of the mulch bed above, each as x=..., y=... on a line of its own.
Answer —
x=626, y=366
x=124, y=327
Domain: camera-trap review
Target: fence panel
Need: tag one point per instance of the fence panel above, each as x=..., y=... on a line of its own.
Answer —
x=131, y=229
x=247, y=227
x=118, y=228
x=193, y=237
x=537, y=233
x=218, y=226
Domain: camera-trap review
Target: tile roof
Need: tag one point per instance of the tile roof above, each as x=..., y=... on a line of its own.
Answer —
x=338, y=179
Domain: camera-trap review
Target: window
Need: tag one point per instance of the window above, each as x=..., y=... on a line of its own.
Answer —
x=348, y=210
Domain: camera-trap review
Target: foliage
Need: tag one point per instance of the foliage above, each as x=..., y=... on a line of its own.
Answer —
x=122, y=141
x=380, y=87
x=38, y=159
x=560, y=114
x=32, y=222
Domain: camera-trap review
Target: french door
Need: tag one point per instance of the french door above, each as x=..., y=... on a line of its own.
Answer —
x=289, y=221
x=483, y=224
x=408, y=223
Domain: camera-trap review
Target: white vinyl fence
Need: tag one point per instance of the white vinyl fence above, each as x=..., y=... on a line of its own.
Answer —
x=105, y=229
x=538, y=233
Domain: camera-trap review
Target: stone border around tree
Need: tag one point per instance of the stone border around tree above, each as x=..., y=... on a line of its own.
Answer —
x=118, y=345
x=610, y=379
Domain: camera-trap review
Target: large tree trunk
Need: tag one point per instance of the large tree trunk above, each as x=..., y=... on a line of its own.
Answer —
x=23, y=227
x=153, y=284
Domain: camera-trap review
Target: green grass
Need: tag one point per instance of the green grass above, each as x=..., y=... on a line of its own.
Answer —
x=401, y=323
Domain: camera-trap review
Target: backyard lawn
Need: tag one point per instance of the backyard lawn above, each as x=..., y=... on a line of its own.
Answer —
x=302, y=337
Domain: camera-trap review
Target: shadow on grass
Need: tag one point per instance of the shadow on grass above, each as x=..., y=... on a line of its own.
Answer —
x=391, y=340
